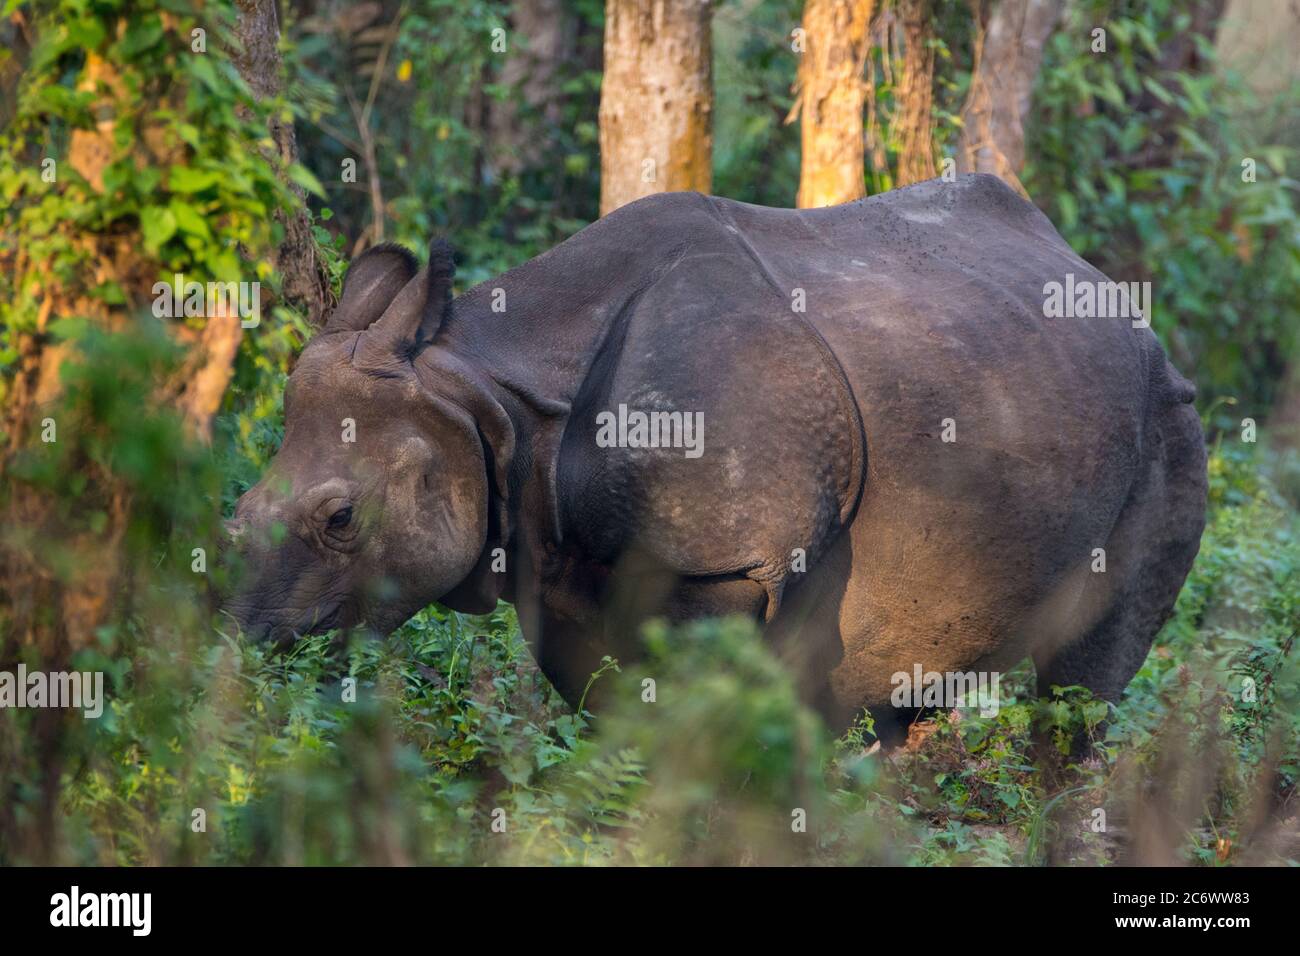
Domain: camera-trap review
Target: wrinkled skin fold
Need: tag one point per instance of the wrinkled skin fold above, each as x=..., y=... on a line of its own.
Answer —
x=827, y=353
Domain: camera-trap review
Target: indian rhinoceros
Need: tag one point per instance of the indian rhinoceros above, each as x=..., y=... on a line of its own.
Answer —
x=860, y=425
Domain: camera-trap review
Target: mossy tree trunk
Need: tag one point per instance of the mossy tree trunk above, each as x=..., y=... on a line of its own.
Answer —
x=304, y=283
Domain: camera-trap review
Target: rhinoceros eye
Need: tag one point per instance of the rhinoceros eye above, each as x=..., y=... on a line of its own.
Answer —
x=341, y=518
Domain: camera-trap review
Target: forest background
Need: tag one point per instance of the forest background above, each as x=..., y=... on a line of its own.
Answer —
x=245, y=140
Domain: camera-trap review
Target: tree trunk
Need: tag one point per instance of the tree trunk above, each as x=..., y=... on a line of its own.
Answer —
x=656, y=100
x=1008, y=51
x=916, y=94
x=304, y=283
x=830, y=98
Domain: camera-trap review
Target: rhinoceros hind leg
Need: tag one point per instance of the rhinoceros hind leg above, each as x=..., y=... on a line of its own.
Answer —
x=1149, y=554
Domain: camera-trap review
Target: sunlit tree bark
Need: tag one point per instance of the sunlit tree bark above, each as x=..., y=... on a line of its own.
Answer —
x=833, y=42
x=915, y=97
x=656, y=100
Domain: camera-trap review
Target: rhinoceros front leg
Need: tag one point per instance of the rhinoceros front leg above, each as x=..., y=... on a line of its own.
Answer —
x=569, y=651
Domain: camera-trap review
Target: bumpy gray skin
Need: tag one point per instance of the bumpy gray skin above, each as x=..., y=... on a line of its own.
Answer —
x=476, y=430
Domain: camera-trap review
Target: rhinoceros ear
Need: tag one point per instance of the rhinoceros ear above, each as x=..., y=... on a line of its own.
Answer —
x=437, y=299
x=415, y=315
x=374, y=278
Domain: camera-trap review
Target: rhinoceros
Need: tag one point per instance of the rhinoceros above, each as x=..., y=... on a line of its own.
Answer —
x=861, y=426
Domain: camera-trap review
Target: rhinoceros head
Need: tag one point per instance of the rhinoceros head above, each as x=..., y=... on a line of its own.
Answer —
x=378, y=500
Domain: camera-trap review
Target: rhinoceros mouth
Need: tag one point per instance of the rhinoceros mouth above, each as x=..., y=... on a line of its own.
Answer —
x=336, y=617
x=259, y=629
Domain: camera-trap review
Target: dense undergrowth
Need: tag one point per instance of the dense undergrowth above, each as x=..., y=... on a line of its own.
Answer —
x=443, y=744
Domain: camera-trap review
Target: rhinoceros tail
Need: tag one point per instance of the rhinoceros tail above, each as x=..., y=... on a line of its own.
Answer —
x=1177, y=390
x=1165, y=384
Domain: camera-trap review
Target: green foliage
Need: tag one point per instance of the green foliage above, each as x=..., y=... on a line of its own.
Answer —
x=1231, y=639
x=190, y=174
x=192, y=189
x=108, y=425
x=755, y=151
x=434, y=145
x=1140, y=166
x=951, y=43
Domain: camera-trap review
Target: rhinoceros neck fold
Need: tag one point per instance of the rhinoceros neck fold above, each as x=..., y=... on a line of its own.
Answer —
x=539, y=328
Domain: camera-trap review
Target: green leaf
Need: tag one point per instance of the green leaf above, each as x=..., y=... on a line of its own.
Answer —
x=201, y=66
x=1069, y=210
x=142, y=33
x=188, y=219
x=69, y=329
x=110, y=293
x=86, y=33
x=184, y=179
x=1158, y=91
x=189, y=134
x=157, y=225
x=305, y=178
